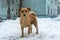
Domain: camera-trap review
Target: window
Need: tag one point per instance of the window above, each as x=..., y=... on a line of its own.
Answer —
x=12, y=10
x=51, y=10
x=56, y=2
x=12, y=1
x=16, y=0
x=48, y=10
x=51, y=1
x=16, y=11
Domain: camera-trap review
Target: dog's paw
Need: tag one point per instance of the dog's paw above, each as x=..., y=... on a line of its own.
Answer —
x=28, y=33
x=36, y=32
x=22, y=36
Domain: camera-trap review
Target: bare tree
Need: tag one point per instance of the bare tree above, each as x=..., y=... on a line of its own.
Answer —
x=8, y=10
x=20, y=5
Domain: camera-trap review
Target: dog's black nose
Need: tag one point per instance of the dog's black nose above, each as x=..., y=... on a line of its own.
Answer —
x=24, y=15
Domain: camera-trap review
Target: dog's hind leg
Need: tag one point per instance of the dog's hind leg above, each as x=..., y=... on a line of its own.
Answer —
x=35, y=24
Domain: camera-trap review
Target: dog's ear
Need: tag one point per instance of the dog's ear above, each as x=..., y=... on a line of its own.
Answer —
x=20, y=9
x=29, y=8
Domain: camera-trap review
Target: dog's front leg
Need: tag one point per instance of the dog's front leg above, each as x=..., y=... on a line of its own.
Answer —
x=29, y=29
x=22, y=29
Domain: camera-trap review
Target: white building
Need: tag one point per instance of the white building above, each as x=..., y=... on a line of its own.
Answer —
x=51, y=7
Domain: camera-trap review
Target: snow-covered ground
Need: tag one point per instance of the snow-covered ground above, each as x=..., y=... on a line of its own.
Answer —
x=49, y=29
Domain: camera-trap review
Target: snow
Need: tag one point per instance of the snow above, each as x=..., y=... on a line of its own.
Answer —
x=57, y=18
x=49, y=29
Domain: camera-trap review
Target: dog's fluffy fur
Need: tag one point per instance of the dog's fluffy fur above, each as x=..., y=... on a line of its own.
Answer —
x=27, y=18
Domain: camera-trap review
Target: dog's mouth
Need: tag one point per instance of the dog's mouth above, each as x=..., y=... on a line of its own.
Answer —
x=24, y=15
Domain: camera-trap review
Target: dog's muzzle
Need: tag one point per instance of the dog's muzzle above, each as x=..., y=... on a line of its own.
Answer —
x=24, y=15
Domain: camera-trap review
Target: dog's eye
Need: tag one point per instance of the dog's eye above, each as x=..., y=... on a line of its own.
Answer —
x=22, y=11
x=25, y=11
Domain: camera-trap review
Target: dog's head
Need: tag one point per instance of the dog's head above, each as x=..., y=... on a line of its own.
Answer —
x=24, y=11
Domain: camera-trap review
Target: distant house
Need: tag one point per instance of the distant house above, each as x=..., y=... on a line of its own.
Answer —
x=9, y=9
x=51, y=8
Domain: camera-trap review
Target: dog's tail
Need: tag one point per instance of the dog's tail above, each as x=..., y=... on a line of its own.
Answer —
x=32, y=12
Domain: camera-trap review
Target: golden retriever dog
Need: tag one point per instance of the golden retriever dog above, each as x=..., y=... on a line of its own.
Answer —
x=27, y=18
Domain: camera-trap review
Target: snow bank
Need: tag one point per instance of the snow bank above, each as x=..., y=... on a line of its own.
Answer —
x=57, y=18
x=48, y=30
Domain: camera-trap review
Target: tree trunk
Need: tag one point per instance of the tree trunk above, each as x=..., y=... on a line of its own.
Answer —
x=20, y=5
x=8, y=10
